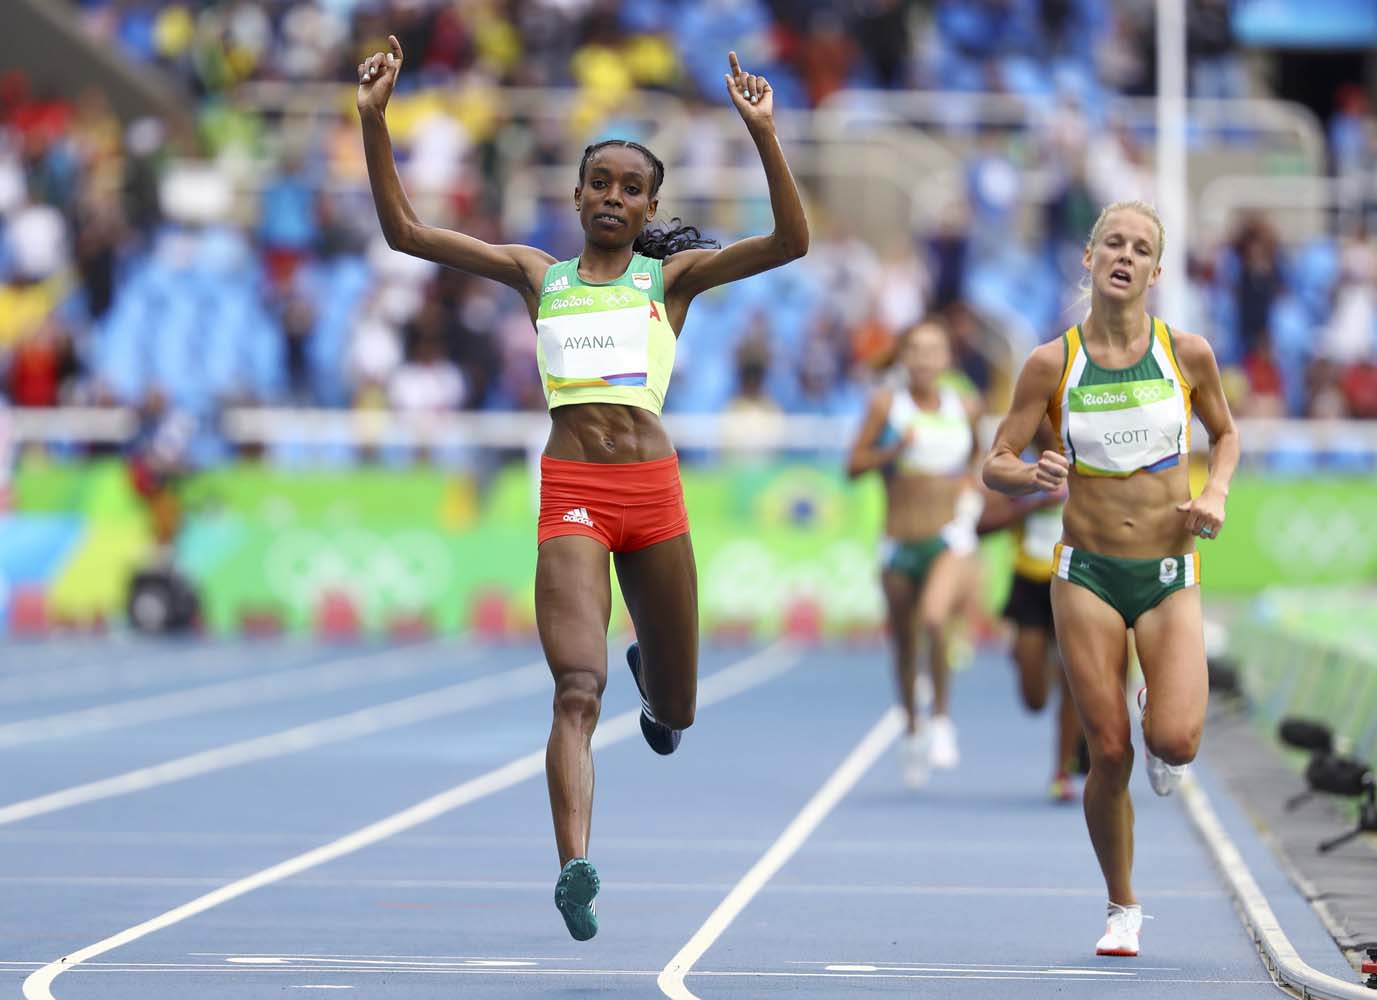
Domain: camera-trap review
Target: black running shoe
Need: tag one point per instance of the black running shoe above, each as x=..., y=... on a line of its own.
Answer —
x=658, y=736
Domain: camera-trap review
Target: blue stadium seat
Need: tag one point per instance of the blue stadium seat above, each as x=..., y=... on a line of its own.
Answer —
x=1312, y=270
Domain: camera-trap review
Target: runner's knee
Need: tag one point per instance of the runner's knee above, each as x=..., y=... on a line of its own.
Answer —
x=578, y=696
x=933, y=624
x=1177, y=745
x=1112, y=756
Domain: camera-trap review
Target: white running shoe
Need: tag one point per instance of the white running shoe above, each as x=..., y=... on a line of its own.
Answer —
x=1121, y=931
x=942, y=751
x=913, y=759
x=1163, y=777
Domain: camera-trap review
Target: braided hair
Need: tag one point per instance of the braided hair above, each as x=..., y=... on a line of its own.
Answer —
x=654, y=241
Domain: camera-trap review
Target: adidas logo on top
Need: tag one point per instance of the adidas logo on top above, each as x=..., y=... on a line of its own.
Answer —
x=558, y=285
x=579, y=515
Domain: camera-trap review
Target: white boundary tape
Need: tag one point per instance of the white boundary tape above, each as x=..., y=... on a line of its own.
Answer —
x=1279, y=955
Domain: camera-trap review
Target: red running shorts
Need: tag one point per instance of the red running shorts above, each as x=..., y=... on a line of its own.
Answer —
x=626, y=506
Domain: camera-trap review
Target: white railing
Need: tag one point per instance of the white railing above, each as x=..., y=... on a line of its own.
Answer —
x=1290, y=124
x=911, y=142
x=1285, y=124
x=526, y=430
x=1314, y=199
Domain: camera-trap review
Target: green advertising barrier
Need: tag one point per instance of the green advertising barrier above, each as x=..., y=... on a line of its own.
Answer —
x=1312, y=654
x=771, y=538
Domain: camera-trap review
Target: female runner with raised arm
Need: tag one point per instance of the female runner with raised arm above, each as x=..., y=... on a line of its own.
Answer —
x=1119, y=390
x=606, y=325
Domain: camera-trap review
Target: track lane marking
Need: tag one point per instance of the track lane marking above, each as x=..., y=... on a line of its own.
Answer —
x=131, y=670
x=833, y=790
x=336, y=674
x=741, y=676
x=476, y=693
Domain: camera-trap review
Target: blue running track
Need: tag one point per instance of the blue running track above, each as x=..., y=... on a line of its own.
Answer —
x=140, y=776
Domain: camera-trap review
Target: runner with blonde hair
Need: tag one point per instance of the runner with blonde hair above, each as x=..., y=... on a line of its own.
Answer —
x=1120, y=389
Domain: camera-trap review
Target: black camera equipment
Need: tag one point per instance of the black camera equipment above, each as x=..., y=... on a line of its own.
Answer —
x=1331, y=774
x=1302, y=734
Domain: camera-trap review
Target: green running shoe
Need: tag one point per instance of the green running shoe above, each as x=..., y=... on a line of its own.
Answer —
x=578, y=884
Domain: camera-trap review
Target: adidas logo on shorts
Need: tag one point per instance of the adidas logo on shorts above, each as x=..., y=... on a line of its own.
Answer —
x=579, y=515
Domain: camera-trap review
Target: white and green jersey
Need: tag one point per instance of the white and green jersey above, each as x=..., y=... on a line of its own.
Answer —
x=942, y=441
x=1118, y=421
x=607, y=342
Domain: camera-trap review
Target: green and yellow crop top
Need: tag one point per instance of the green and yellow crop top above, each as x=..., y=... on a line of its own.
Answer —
x=1118, y=421
x=607, y=342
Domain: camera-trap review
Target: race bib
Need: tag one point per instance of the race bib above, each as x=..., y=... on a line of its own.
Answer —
x=1121, y=427
x=595, y=335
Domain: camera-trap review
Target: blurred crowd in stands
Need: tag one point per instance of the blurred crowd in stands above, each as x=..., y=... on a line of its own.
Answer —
x=127, y=276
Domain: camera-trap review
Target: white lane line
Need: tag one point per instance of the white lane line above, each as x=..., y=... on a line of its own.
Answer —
x=889, y=966
x=449, y=842
x=467, y=959
x=745, y=674
x=399, y=965
x=377, y=666
x=476, y=693
x=515, y=885
x=1026, y=971
x=40, y=656
x=135, y=671
x=833, y=790
x=238, y=972
x=1280, y=957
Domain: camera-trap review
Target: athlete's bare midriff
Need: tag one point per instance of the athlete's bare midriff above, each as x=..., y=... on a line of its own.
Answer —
x=918, y=506
x=608, y=433
x=1134, y=517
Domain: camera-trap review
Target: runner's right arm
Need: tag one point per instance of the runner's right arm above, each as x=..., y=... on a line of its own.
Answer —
x=866, y=452
x=519, y=267
x=1004, y=469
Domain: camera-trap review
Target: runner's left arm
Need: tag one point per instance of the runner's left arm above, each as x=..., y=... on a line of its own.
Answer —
x=692, y=271
x=1001, y=512
x=1205, y=513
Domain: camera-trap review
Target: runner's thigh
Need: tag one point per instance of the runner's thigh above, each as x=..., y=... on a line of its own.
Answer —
x=573, y=598
x=1170, y=639
x=660, y=586
x=1093, y=643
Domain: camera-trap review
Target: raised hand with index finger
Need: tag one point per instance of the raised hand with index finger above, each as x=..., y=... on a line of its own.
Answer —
x=378, y=75
x=751, y=94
